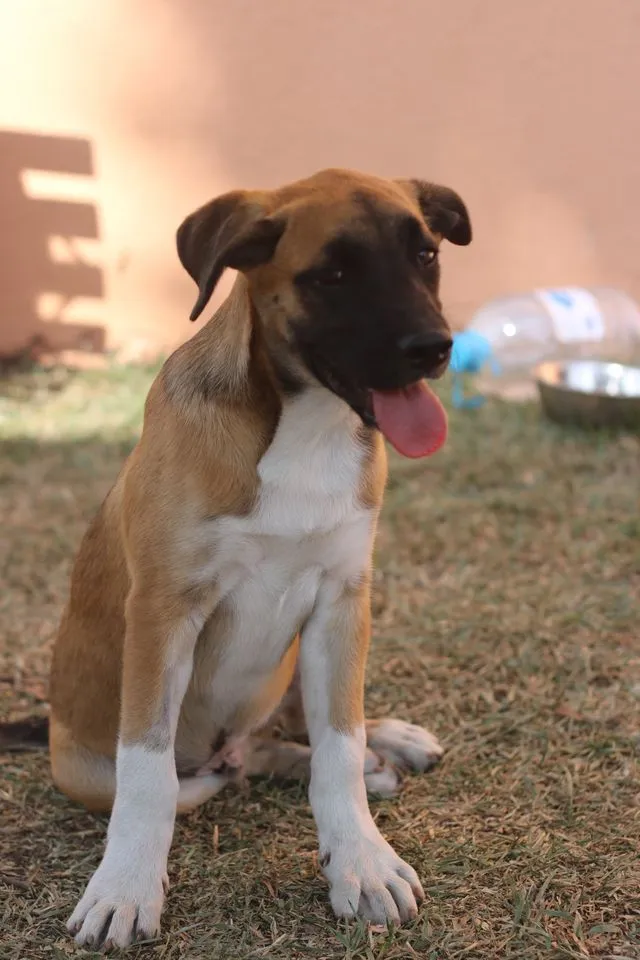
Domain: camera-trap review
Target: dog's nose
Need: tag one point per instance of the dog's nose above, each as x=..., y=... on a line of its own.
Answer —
x=426, y=351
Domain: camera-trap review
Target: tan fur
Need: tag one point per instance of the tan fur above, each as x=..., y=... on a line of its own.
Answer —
x=350, y=632
x=210, y=416
x=374, y=472
x=230, y=565
x=193, y=459
x=83, y=774
x=254, y=714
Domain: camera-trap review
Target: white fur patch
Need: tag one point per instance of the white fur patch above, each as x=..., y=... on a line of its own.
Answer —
x=307, y=527
x=366, y=876
x=129, y=883
x=310, y=473
x=337, y=792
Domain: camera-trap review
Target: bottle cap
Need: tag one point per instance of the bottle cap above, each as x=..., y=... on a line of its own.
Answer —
x=471, y=352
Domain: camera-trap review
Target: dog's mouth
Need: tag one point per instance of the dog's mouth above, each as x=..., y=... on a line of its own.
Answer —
x=411, y=417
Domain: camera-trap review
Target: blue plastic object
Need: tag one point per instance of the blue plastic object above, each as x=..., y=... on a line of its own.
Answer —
x=471, y=352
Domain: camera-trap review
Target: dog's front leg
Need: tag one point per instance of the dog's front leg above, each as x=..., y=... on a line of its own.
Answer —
x=124, y=898
x=366, y=876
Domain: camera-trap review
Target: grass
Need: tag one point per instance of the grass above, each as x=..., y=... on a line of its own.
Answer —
x=507, y=602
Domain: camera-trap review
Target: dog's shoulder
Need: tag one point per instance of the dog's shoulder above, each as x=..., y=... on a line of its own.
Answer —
x=199, y=448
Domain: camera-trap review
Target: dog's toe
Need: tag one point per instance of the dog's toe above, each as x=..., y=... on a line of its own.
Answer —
x=123, y=928
x=109, y=925
x=118, y=909
x=368, y=878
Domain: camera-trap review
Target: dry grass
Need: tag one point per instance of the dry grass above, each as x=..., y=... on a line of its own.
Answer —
x=506, y=618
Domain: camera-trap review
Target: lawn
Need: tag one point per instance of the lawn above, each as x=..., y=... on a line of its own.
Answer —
x=506, y=618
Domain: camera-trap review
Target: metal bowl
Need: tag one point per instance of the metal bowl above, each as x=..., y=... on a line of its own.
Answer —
x=590, y=393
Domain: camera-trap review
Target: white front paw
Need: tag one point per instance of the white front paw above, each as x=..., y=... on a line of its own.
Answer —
x=122, y=904
x=368, y=878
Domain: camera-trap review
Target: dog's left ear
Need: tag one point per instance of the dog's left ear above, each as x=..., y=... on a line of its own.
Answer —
x=442, y=208
x=232, y=231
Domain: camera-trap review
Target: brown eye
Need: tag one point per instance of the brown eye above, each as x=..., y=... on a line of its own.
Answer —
x=427, y=256
x=329, y=277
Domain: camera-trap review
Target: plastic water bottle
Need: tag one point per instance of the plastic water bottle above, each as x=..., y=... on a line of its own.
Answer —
x=507, y=338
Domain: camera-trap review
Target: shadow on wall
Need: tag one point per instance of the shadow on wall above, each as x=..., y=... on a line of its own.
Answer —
x=51, y=288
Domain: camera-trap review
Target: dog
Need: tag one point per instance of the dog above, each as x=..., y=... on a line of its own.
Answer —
x=219, y=609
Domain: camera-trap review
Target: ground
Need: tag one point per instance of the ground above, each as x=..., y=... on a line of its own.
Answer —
x=506, y=611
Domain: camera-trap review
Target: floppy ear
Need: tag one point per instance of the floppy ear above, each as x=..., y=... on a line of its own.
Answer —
x=442, y=208
x=232, y=231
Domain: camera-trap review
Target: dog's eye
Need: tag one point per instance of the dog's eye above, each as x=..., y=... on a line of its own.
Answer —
x=328, y=277
x=426, y=256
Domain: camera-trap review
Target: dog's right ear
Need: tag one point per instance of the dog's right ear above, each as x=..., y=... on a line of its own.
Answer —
x=233, y=231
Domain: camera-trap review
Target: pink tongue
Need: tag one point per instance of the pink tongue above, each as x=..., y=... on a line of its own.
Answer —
x=413, y=420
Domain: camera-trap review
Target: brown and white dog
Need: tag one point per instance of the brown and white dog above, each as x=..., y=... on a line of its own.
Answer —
x=229, y=567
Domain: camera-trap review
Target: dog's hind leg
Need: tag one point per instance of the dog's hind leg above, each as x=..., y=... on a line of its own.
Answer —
x=85, y=776
x=282, y=759
x=194, y=791
x=403, y=745
x=89, y=778
x=287, y=760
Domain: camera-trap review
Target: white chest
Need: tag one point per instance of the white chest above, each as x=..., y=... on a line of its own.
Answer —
x=307, y=525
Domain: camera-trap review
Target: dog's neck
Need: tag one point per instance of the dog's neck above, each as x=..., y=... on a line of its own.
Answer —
x=229, y=365
x=232, y=357
x=225, y=361
x=227, y=343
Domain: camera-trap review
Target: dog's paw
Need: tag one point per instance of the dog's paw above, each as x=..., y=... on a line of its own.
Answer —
x=368, y=879
x=119, y=907
x=380, y=777
x=402, y=744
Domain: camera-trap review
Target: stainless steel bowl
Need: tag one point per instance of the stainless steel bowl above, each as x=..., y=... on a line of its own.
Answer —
x=590, y=393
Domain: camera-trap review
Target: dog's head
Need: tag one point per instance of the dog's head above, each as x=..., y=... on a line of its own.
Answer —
x=343, y=274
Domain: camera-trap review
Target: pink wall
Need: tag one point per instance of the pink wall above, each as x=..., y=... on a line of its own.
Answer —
x=117, y=117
